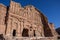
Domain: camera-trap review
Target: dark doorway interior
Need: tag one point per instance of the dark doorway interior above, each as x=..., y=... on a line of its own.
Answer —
x=25, y=33
x=58, y=37
x=2, y=37
x=34, y=33
x=14, y=32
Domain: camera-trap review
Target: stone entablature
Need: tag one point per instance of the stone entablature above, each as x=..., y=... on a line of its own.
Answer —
x=29, y=12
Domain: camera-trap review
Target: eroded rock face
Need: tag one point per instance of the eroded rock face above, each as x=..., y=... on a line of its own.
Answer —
x=2, y=18
x=58, y=30
x=47, y=30
x=17, y=21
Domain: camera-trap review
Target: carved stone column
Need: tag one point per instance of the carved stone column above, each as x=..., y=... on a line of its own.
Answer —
x=8, y=28
x=19, y=29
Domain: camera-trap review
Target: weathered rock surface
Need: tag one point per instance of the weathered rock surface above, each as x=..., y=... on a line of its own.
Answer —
x=18, y=21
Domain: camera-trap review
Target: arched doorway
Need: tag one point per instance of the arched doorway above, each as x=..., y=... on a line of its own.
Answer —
x=25, y=33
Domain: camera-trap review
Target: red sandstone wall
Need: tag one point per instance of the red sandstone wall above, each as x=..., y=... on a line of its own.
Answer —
x=2, y=18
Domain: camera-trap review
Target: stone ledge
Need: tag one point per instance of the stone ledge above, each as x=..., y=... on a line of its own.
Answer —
x=30, y=38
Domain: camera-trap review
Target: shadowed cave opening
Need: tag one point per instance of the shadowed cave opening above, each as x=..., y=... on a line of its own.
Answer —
x=58, y=37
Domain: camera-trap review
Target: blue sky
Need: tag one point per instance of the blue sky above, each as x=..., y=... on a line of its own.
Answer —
x=51, y=8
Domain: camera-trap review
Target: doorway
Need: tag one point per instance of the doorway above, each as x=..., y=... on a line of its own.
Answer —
x=14, y=32
x=34, y=33
x=25, y=33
